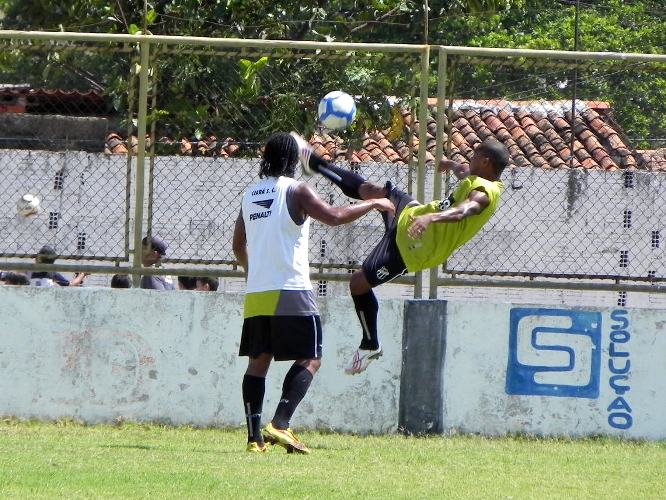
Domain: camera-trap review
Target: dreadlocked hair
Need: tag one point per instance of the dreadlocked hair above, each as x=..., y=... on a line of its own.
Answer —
x=280, y=156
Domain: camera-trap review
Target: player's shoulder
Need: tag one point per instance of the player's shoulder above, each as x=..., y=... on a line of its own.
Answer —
x=476, y=182
x=300, y=188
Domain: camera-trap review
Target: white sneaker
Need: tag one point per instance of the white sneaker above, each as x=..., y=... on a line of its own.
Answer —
x=304, y=153
x=361, y=359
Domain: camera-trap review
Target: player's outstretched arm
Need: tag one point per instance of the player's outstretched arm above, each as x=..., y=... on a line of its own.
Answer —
x=239, y=244
x=475, y=203
x=460, y=170
x=315, y=207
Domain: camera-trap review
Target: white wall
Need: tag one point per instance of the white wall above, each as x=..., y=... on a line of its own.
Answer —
x=100, y=354
x=477, y=368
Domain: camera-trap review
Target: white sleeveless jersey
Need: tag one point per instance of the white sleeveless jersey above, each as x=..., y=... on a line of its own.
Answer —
x=277, y=247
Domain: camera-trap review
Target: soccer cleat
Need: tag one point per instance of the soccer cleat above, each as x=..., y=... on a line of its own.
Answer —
x=361, y=359
x=309, y=159
x=285, y=438
x=254, y=447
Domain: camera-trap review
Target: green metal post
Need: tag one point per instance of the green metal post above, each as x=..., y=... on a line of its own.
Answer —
x=423, y=138
x=439, y=146
x=144, y=47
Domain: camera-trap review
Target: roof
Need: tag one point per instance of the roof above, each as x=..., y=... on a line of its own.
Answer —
x=209, y=146
x=23, y=99
x=536, y=133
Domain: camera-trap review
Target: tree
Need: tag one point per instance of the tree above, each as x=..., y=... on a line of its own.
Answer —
x=246, y=96
x=637, y=92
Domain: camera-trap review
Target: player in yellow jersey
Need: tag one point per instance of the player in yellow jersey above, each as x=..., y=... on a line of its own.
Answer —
x=418, y=236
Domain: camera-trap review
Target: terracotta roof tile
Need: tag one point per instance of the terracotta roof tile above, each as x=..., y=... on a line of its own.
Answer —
x=537, y=134
x=55, y=101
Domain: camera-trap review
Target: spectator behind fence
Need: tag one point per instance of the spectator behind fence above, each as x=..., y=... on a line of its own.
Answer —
x=187, y=283
x=121, y=281
x=153, y=249
x=207, y=284
x=48, y=255
x=11, y=278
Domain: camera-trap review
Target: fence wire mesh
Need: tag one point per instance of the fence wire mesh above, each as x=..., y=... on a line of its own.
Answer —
x=58, y=100
x=583, y=199
x=585, y=195
x=227, y=113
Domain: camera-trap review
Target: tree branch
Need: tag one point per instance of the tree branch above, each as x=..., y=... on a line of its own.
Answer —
x=378, y=20
x=122, y=13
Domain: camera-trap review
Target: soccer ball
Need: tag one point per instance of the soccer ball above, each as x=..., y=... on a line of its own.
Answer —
x=337, y=110
x=28, y=205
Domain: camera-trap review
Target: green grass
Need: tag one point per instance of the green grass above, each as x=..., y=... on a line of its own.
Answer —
x=69, y=460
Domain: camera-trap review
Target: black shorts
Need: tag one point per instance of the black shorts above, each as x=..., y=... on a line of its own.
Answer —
x=384, y=263
x=285, y=337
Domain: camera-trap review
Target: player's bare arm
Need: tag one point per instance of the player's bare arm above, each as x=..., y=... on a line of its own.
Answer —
x=239, y=244
x=475, y=203
x=312, y=205
x=460, y=170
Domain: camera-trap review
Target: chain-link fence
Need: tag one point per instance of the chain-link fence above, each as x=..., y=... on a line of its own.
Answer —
x=227, y=113
x=584, y=198
x=56, y=113
x=82, y=112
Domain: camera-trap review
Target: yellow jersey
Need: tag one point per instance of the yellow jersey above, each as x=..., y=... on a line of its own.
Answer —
x=441, y=239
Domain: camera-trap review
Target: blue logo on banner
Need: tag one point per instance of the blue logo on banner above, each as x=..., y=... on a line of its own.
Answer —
x=554, y=352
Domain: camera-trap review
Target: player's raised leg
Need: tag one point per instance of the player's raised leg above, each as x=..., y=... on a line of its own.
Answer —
x=382, y=265
x=367, y=309
x=351, y=184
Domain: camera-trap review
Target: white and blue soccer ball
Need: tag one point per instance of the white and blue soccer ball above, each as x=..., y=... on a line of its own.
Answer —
x=337, y=110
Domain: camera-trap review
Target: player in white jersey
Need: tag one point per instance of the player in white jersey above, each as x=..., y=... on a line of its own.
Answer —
x=281, y=320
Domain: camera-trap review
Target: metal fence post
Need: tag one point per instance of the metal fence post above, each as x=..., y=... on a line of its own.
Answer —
x=423, y=138
x=144, y=47
x=442, y=68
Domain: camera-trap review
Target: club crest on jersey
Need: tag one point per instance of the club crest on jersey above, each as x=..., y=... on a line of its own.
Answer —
x=382, y=273
x=264, y=203
x=444, y=204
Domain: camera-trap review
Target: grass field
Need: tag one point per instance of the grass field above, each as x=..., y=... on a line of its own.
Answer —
x=69, y=460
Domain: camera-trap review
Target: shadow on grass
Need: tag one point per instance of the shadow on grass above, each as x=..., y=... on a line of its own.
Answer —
x=130, y=446
x=164, y=449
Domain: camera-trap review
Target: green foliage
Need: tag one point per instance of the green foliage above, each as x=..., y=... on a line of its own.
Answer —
x=250, y=95
x=636, y=92
x=249, y=74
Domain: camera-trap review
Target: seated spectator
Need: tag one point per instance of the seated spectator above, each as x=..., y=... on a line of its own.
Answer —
x=47, y=255
x=187, y=283
x=206, y=284
x=153, y=249
x=121, y=281
x=11, y=278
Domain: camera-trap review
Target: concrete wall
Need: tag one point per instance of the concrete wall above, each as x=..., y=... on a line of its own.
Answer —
x=549, y=221
x=53, y=132
x=548, y=371
x=566, y=221
x=101, y=354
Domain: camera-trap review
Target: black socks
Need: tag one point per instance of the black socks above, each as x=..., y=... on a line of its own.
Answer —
x=367, y=308
x=295, y=386
x=346, y=180
x=253, y=400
